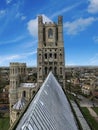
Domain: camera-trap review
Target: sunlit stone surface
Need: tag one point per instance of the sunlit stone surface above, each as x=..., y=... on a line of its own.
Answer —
x=49, y=110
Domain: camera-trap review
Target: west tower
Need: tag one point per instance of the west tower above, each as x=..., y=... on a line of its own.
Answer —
x=17, y=75
x=50, y=56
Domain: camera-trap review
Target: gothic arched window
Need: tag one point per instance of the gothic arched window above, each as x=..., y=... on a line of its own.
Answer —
x=45, y=70
x=50, y=33
x=45, y=55
x=39, y=71
x=50, y=55
x=24, y=93
x=55, y=70
x=55, y=55
x=60, y=70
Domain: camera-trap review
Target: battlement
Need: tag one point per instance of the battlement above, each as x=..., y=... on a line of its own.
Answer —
x=12, y=64
x=40, y=21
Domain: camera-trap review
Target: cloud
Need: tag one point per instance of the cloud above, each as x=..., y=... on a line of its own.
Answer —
x=9, y=15
x=20, y=15
x=94, y=60
x=32, y=62
x=73, y=28
x=95, y=38
x=23, y=17
x=5, y=59
x=15, y=57
x=65, y=10
x=93, y=6
x=2, y=12
x=70, y=63
x=17, y=39
x=32, y=25
x=8, y=1
x=33, y=43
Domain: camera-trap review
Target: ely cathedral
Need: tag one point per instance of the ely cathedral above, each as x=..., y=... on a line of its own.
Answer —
x=50, y=51
x=50, y=57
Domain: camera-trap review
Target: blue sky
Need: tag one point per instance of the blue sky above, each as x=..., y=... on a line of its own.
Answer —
x=18, y=29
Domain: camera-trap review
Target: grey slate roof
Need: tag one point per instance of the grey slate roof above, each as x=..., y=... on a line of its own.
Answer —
x=20, y=104
x=49, y=110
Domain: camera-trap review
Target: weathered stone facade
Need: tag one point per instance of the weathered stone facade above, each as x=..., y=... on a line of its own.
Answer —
x=50, y=56
x=20, y=92
x=17, y=72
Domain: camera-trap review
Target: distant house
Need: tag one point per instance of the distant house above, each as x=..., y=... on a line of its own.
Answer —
x=95, y=93
x=86, y=89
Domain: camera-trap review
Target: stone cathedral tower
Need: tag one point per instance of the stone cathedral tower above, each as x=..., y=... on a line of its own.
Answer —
x=17, y=74
x=50, y=56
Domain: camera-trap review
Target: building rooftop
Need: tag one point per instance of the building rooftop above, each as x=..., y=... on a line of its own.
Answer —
x=49, y=110
x=20, y=104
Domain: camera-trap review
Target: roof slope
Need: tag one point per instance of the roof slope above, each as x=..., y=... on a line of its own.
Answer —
x=49, y=110
x=20, y=104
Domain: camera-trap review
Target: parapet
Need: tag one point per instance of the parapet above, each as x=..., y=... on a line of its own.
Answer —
x=17, y=64
x=60, y=19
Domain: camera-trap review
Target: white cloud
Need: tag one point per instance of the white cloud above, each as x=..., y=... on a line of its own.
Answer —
x=95, y=38
x=94, y=60
x=17, y=39
x=2, y=12
x=93, y=6
x=32, y=25
x=23, y=17
x=70, y=63
x=8, y=1
x=65, y=10
x=73, y=28
x=32, y=62
x=20, y=15
x=30, y=44
x=5, y=59
x=15, y=57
